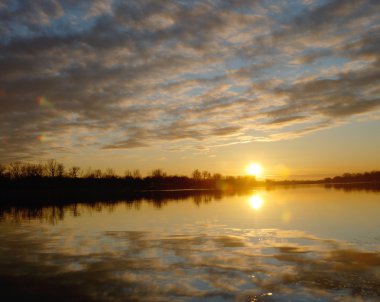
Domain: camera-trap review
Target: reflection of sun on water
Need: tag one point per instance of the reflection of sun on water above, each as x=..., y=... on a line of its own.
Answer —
x=256, y=202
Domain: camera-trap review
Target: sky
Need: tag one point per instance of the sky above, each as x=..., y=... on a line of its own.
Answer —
x=179, y=85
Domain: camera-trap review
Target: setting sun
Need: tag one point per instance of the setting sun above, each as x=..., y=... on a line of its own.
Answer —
x=254, y=169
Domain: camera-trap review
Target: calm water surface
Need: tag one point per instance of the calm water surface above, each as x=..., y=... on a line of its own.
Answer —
x=284, y=244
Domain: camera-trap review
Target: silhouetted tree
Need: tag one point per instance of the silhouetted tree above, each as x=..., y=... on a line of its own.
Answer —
x=14, y=170
x=206, y=174
x=128, y=174
x=196, y=174
x=32, y=170
x=217, y=176
x=136, y=173
x=60, y=170
x=74, y=172
x=89, y=173
x=51, y=168
x=18, y=175
x=98, y=173
x=158, y=173
x=109, y=173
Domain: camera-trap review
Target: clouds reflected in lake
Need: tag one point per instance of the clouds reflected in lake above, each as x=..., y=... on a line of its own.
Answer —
x=266, y=246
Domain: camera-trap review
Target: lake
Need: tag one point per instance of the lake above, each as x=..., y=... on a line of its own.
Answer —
x=281, y=244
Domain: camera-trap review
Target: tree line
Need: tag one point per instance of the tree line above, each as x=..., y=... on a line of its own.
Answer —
x=54, y=172
x=373, y=176
x=54, y=169
x=53, y=179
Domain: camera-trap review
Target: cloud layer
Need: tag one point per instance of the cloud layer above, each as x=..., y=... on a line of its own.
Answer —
x=132, y=74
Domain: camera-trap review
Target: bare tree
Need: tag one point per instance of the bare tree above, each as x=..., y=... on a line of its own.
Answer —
x=60, y=170
x=32, y=170
x=136, y=173
x=128, y=174
x=74, y=172
x=89, y=173
x=206, y=174
x=196, y=174
x=98, y=173
x=110, y=173
x=132, y=174
x=15, y=170
x=51, y=168
x=217, y=176
x=158, y=173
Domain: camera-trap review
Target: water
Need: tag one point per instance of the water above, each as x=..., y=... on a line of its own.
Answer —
x=284, y=244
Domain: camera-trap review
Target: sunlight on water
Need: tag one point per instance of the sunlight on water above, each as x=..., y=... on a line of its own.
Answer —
x=305, y=244
x=256, y=202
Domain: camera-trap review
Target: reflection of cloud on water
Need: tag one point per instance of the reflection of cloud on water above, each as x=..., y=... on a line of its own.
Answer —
x=255, y=265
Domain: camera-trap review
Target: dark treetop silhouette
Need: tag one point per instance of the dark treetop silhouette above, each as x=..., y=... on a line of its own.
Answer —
x=53, y=180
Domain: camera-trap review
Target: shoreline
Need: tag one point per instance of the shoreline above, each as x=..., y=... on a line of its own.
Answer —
x=60, y=194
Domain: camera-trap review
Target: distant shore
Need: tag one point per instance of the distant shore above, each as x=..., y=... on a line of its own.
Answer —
x=51, y=181
x=62, y=190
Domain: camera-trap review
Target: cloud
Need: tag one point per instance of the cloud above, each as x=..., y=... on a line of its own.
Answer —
x=286, y=120
x=225, y=131
x=126, y=144
x=180, y=71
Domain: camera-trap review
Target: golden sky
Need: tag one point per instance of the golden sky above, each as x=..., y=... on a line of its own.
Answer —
x=179, y=85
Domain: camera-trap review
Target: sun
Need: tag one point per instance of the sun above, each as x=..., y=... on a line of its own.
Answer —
x=254, y=169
